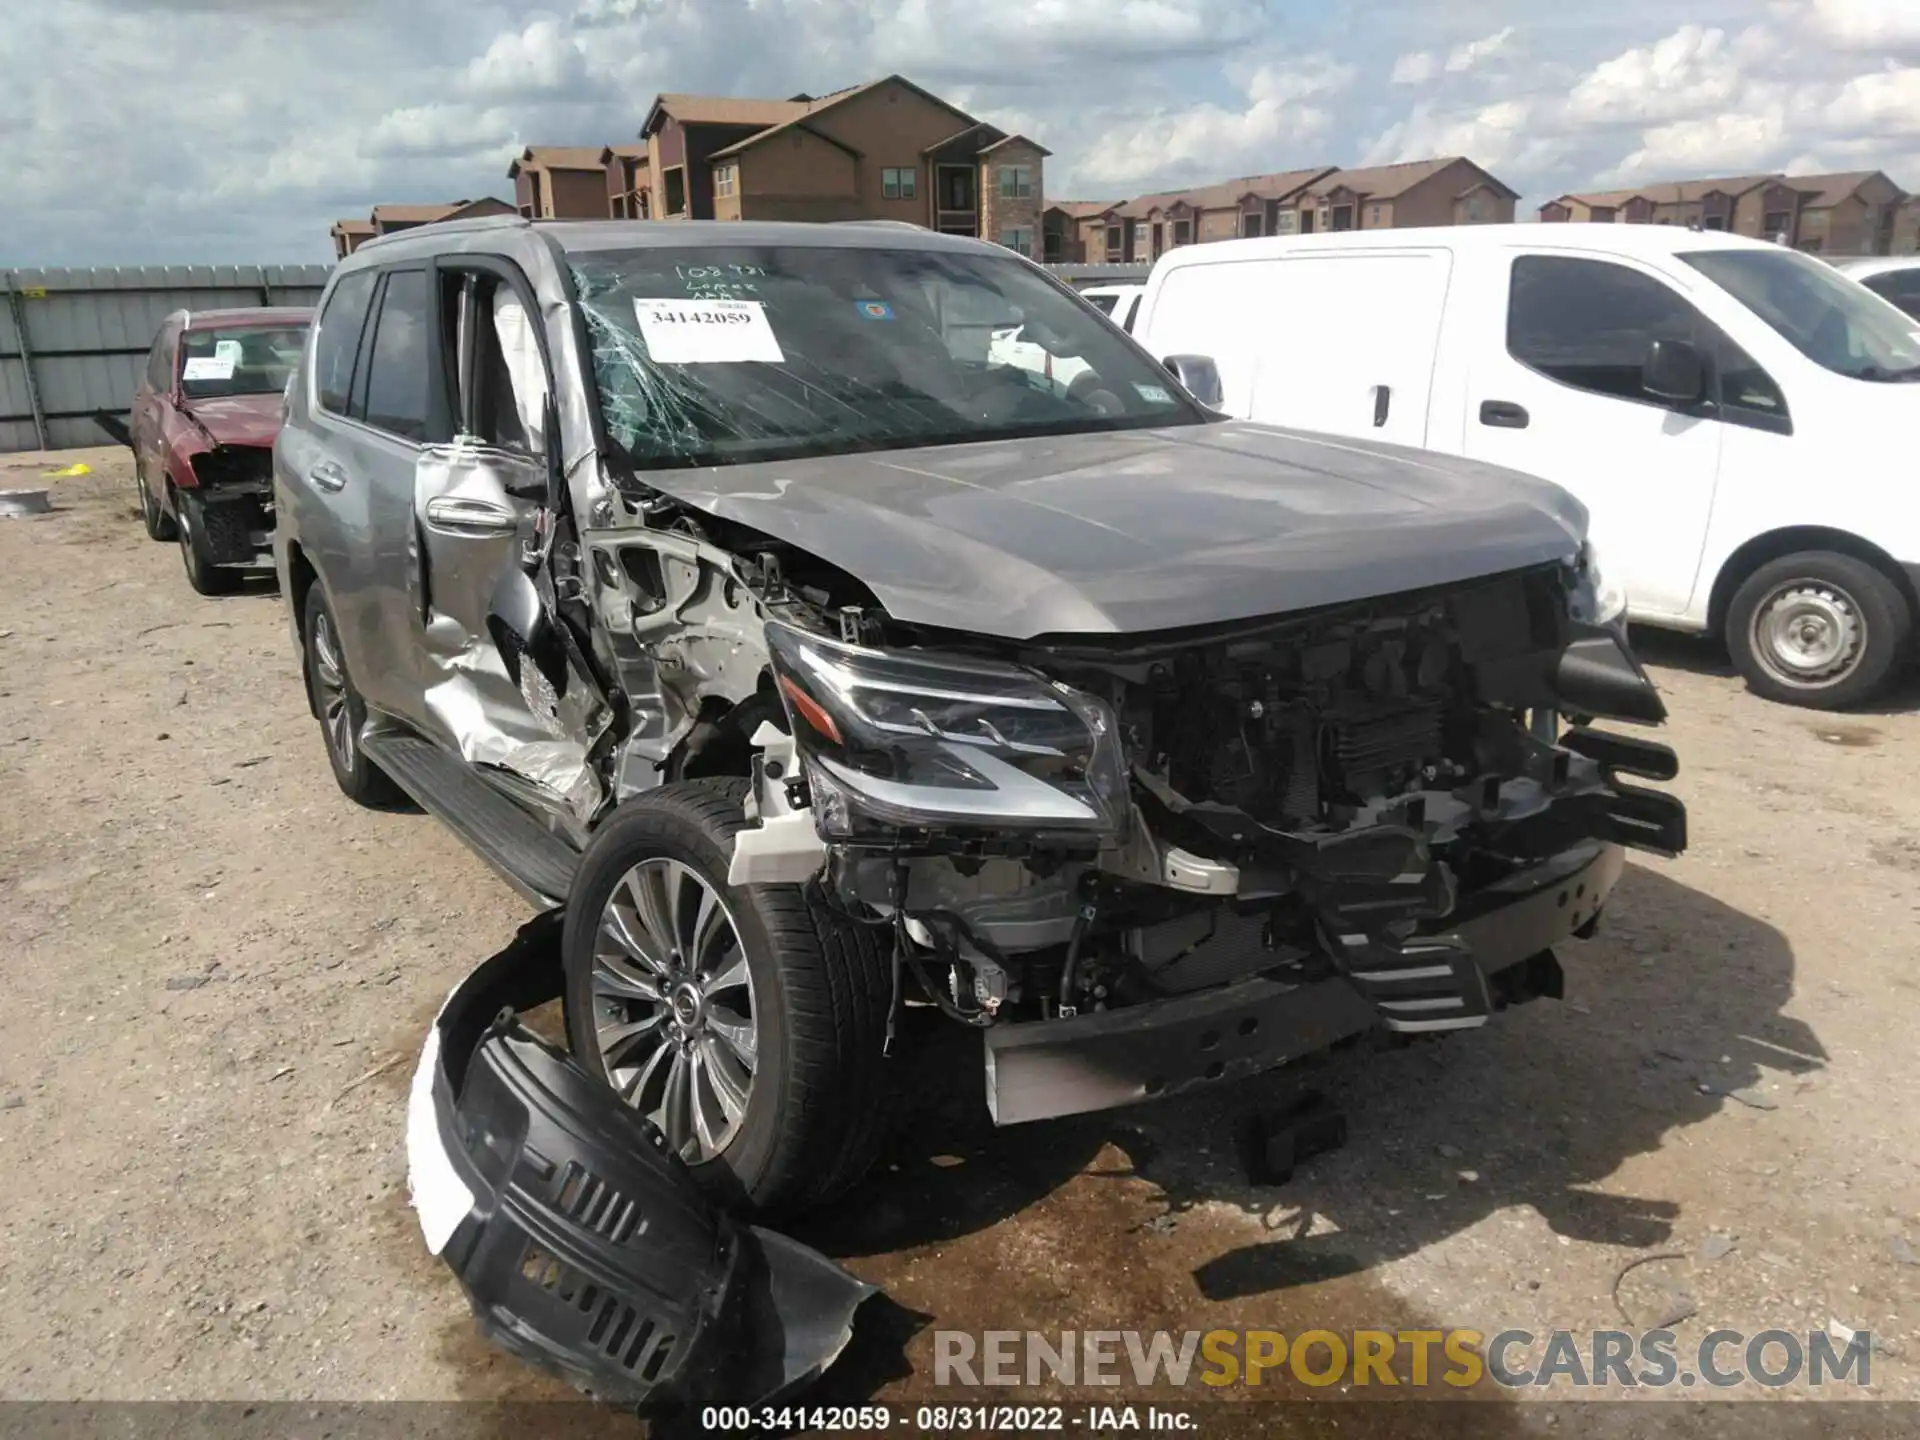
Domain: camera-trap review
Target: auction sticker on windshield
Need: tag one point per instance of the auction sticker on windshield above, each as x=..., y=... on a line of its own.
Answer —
x=704, y=332
x=208, y=367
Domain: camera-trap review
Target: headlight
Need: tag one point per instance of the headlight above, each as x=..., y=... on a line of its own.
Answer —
x=900, y=741
x=1596, y=600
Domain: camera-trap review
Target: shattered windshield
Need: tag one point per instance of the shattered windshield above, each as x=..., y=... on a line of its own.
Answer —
x=1830, y=319
x=255, y=360
x=729, y=354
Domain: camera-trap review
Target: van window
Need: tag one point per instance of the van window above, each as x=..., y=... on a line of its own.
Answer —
x=1825, y=316
x=339, y=340
x=1588, y=323
x=397, y=365
x=1902, y=287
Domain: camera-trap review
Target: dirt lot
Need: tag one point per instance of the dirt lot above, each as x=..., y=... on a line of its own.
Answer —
x=218, y=972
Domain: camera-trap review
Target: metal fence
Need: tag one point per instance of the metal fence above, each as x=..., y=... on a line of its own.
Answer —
x=72, y=342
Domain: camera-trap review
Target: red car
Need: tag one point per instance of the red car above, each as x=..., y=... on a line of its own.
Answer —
x=204, y=422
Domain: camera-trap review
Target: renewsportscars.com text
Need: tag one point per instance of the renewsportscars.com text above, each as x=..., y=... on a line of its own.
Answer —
x=1722, y=1359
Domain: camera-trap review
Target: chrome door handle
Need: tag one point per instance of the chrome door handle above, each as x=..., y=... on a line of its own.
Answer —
x=328, y=476
x=463, y=516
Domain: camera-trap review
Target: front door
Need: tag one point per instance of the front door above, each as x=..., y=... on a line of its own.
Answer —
x=479, y=508
x=1562, y=398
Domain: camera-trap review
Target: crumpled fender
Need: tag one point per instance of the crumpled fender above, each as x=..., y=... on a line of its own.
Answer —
x=584, y=1246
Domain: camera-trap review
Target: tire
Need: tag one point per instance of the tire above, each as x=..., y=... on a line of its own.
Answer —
x=158, y=524
x=339, y=708
x=1818, y=629
x=203, y=575
x=818, y=991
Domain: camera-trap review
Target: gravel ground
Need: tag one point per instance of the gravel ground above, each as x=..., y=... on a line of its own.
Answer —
x=219, y=972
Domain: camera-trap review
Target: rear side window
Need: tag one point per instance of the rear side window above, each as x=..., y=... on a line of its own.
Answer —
x=1102, y=303
x=339, y=340
x=397, y=365
x=1588, y=323
x=1902, y=287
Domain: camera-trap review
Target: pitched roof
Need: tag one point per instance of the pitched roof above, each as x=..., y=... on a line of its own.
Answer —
x=839, y=97
x=1142, y=205
x=1082, y=209
x=1386, y=182
x=1689, y=192
x=427, y=214
x=1015, y=140
x=353, y=227
x=634, y=151
x=1823, y=191
x=557, y=157
x=1277, y=186
x=722, y=110
x=1602, y=198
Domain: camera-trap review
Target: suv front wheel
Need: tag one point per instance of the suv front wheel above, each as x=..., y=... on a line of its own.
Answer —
x=747, y=1022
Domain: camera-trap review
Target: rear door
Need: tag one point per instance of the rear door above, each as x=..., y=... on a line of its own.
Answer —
x=1338, y=341
x=1555, y=389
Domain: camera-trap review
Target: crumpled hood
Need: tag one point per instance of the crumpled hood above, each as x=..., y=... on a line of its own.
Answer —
x=1136, y=531
x=238, y=419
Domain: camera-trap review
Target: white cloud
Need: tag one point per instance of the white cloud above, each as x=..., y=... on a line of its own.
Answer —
x=1474, y=53
x=1416, y=67
x=237, y=129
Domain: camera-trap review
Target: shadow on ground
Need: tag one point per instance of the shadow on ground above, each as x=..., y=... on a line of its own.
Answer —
x=1673, y=1012
x=1702, y=655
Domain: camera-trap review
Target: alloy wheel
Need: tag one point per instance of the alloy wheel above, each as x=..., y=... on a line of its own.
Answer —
x=673, y=1006
x=330, y=691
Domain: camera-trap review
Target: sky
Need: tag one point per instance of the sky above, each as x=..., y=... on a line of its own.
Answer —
x=236, y=131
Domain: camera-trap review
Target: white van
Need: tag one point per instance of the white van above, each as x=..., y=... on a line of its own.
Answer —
x=1736, y=416
x=1120, y=303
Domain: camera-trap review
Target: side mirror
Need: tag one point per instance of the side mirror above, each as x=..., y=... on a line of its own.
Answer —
x=1198, y=376
x=1673, y=371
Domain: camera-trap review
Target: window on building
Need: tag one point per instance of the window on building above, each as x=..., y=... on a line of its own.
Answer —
x=1116, y=242
x=1141, y=232
x=1016, y=182
x=1777, y=222
x=397, y=362
x=1018, y=237
x=676, y=191
x=619, y=207
x=1714, y=222
x=1250, y=222
x=724, y=180
x=1285, y=222
x=1342, y=218
x=339, y=340
x=1373, y=211
x=898, y=184
x=1183, y=232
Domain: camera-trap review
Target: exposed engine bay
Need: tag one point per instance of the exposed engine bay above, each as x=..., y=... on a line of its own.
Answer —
x=1061, y=829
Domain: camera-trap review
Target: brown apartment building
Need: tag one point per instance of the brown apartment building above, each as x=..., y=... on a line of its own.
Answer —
x=886, y=150
x=1850, y=213
x=349, y=235
x=1449, y=190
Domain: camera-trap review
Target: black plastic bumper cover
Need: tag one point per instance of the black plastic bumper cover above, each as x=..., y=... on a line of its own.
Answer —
x=583, y=1244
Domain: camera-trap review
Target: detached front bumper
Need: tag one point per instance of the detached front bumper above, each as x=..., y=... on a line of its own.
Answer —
x=1050, y=1068
x=583, y=1245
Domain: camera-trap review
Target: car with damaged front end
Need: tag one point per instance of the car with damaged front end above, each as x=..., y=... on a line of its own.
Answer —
x=723, y=588
x=202, y=428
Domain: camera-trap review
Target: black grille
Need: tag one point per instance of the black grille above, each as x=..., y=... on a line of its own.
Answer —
x=585, y=1197
x=617, y=1330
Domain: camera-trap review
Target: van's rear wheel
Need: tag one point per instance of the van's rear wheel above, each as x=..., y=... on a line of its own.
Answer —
x=746, y=1021
x=1818, y=629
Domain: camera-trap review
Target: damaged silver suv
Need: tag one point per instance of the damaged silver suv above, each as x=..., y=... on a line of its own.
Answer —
x=724, y=588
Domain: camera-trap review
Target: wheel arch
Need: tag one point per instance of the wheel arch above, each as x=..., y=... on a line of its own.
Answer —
x=1793, y=539
x=720, y=743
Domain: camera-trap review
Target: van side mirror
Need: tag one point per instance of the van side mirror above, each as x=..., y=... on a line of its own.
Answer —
x=1673, y=371
x=1198, y=376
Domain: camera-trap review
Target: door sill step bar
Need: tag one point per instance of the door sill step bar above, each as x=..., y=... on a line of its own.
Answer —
x=533, y=860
